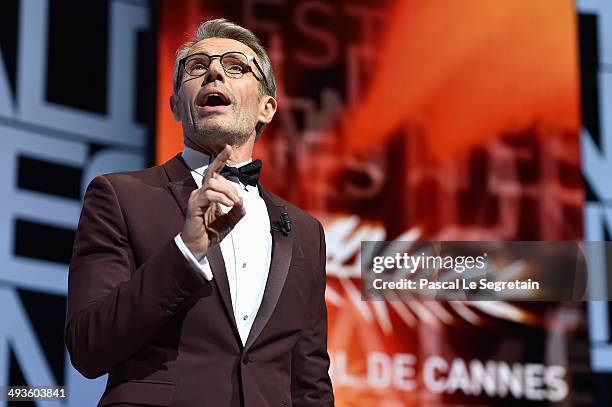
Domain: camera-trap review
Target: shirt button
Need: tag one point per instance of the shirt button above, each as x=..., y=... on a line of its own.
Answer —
x=245, y=317
x=243, y=265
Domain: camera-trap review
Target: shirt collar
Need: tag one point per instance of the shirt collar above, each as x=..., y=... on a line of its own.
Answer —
x=198, y=162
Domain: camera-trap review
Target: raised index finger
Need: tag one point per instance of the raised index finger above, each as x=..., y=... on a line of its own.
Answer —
x=217, y=165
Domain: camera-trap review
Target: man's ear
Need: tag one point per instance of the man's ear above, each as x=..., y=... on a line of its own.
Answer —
x=174, y=107
x=267, y=109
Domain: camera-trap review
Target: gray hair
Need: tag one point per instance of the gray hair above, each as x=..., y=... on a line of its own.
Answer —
x=221, y=28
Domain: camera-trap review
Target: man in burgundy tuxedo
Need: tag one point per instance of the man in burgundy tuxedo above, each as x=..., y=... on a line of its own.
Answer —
x=190, y=284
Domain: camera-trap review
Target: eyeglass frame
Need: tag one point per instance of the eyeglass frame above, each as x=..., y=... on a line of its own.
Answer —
x=250, y=58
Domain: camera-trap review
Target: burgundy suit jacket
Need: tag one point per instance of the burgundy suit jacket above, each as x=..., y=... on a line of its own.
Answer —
x=139, y=311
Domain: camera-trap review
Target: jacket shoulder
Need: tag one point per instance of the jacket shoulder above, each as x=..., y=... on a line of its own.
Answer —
x=152, y=177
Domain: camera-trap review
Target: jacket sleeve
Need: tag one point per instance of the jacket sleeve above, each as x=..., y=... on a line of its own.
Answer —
x=115, y=308
x=310, y=382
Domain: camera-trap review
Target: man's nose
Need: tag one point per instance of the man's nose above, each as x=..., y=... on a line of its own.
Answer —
x=215, y=72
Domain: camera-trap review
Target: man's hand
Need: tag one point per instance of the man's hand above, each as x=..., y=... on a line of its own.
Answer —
x=205, y=223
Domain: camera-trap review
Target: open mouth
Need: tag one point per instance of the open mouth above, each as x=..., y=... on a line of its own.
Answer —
x=214, y=99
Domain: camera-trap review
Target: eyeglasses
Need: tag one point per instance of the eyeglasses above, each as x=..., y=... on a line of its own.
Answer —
x=234, y=63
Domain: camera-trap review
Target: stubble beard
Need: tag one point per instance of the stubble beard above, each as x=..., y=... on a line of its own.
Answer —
x=217, y=134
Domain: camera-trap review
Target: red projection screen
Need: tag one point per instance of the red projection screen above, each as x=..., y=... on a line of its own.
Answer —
x=404, y=120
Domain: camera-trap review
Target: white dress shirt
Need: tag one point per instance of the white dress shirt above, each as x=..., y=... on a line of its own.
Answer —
x=247, y=249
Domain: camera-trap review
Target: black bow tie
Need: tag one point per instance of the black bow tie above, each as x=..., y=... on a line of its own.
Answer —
x=247, y=174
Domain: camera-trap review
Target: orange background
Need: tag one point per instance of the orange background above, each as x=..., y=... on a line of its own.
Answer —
x=465, y=127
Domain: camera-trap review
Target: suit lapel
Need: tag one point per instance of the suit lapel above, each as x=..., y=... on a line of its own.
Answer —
x=217, y=266
x=279, y=267
x=181, y=185
x=181, y=182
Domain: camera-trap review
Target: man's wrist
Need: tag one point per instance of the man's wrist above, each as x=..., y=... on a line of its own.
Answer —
x=199, y=255
x=200, y=264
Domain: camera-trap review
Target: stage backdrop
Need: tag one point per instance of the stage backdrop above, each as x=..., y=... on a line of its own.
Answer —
x=422, y=120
